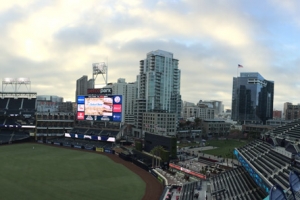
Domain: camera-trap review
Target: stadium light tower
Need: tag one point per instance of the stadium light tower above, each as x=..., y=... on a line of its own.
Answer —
x=16, y=83
x=100, y=68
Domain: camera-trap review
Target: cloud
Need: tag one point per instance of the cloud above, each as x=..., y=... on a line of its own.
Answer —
x=78, y=35
x=55, y=42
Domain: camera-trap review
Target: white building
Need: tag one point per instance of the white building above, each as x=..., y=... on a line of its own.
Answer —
x=216, y=105
x=158, y=87
x=129, y=94
x=160, y=123
x=202, y=111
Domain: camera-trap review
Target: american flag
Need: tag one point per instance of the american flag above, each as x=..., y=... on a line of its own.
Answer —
x=240, y=66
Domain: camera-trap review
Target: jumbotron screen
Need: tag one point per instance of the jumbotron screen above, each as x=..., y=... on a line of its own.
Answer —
x=99, y=108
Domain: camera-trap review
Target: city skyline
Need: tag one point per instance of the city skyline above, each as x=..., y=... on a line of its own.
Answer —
x=54, y=43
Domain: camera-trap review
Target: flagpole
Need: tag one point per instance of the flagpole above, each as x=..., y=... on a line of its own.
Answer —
x=237, y=84
x=237, y=91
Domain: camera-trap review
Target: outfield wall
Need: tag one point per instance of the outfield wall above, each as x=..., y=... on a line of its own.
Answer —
x=159, y=177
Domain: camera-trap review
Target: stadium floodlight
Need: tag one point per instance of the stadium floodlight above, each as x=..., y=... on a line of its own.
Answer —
x=99, y=68
x=16, y=83
x=8, y=80
x=23, y=80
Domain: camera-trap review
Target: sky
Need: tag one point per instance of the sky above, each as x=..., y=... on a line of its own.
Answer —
x=55, y=42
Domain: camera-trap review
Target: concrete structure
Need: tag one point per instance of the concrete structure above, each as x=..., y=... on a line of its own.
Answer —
x=291, y=111
x=51, y=98
x=214, y=104
x=160, y=123
x=50, y=104
x=215, y=128
x=256, y=129
x=285, y=105
x=129, y=93
x=201, y=111
x=277, y=122
x=158, y=87
x=252, y=98
x=82, y=84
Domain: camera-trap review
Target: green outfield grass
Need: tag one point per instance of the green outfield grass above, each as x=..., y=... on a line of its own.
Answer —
x=224, y=147
x=48, y=172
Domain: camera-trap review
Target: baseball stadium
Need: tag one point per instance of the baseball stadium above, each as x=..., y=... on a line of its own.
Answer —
x=52, y=150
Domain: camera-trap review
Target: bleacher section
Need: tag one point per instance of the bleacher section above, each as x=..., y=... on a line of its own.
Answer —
x=187, y=191
x=17, y=106
x=14, y=106
x=267, y=161
x=8, y=136
x=3, y=106
x=290, y=131
x=236, y=184
x=29, y=104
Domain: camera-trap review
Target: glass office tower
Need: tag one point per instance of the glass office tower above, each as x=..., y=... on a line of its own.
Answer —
x=252, y=99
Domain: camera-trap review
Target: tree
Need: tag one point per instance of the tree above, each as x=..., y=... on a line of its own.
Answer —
x=197, y=121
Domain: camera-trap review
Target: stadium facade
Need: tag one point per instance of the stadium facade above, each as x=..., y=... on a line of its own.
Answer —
x=252, y=98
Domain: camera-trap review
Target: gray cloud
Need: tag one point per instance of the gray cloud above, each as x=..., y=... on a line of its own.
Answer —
x=78, y=35
x=210, y=38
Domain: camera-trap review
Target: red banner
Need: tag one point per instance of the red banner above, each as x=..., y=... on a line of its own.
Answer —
x=187, y=171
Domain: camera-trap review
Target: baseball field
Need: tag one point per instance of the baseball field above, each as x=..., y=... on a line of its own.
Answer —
x=34, y=171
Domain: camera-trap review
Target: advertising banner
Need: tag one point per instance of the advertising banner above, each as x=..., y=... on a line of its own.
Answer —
x=187, y=171
x=91, y=137
x=107, y=150
x=98, y=149
x=100, y=91
x=160, y=179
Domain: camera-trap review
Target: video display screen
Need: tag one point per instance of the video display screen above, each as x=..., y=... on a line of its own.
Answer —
x=100, y=108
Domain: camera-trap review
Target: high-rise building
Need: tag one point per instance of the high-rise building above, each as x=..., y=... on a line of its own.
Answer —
x=129, y=94
x=82, y=84
x=252, y=98
x=158, y=86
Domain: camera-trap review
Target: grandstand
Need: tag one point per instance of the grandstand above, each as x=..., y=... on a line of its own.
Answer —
x=17, y=116
x=99, y=136
x=269, y=169
x=53, y=124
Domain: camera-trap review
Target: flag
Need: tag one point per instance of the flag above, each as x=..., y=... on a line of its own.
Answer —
x=240, y=66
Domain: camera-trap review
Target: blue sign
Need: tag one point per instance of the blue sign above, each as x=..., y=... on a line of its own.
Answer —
x=80, y=99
